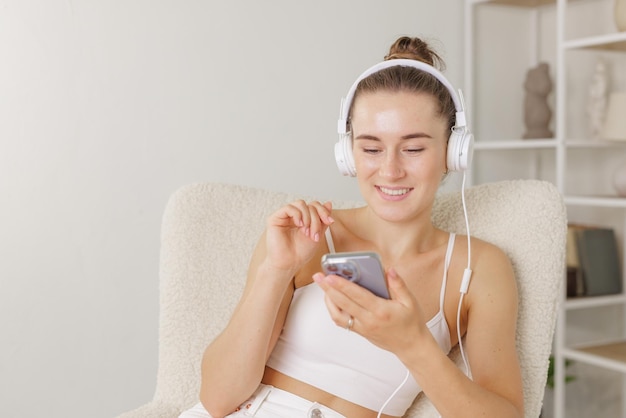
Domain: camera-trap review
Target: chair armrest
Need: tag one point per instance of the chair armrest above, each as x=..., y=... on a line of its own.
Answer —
x=154, y=409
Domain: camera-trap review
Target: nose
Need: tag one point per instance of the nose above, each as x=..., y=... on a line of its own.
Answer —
x=391, y=166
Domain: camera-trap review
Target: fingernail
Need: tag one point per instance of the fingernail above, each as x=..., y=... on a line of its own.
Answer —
x=330, y=220
x=316, y=238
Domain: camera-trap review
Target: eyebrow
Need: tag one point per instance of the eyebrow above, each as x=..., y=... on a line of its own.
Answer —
x=408, y=136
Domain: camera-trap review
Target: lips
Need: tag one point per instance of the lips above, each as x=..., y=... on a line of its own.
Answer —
x=394, y=191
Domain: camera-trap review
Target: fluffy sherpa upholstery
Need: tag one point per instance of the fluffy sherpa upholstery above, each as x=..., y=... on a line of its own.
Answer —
x=209, y=231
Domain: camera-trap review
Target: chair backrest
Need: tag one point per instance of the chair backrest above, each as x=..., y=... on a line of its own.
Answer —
x=209, y=231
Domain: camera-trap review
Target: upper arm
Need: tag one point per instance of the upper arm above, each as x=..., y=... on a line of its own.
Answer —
x=491, y=326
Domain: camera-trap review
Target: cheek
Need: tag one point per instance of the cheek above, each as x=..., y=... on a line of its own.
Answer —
x=365, y=164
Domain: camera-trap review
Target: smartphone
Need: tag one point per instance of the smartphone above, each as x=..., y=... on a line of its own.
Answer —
x=363, y=268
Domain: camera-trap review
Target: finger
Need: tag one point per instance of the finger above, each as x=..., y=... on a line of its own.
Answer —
x=397, y=287
x=326, y=211
x=305, y=215
x=350, y=323
x=344, y=294
x=288, y=215
x=340, y=317
x=316, y=227
x=335, y=312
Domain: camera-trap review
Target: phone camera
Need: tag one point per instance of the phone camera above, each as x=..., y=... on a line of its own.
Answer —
x=348, y=271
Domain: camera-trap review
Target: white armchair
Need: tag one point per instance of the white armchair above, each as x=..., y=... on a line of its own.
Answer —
x=209, y=231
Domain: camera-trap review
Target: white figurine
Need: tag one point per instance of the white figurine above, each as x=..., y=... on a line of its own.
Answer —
x=596, y=106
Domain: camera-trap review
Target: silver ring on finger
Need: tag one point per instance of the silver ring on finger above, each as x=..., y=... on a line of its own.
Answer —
x=350, y=323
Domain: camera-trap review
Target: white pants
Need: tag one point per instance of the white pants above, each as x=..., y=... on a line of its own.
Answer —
x=270, y=402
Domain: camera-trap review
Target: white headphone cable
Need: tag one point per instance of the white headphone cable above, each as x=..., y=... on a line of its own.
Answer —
x=467, y=274
x=382, y=408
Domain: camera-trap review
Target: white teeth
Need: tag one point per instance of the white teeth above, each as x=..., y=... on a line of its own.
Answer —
x=394, y=192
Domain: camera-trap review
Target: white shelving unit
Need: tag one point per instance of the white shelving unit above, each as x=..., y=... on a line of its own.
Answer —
x=609, y=355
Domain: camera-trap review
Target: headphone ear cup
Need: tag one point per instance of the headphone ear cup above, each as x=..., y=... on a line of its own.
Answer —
x=460, y=149
x=344, y=156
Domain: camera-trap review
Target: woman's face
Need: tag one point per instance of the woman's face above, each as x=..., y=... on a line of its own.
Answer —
x=399, y=145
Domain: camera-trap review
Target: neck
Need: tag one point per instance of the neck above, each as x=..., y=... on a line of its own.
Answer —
x=396, y=239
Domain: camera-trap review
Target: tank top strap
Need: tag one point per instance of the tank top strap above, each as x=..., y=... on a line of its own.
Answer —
x=329, y=241
x=442, y=292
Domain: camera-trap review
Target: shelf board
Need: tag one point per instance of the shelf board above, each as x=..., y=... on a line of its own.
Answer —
x=597, y=201
x=611, y=356
x=594, y=301
x=507, y=144
x=515, y=144
x=593, y=143
x=518, y=3
x=610, y=42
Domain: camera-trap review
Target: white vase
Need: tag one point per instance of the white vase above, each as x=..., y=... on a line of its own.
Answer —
x=620, y=14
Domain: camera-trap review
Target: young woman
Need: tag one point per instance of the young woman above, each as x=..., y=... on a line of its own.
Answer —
x=303, y=344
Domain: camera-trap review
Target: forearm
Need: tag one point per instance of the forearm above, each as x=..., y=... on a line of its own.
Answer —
x=452, y=392
x=233, y=364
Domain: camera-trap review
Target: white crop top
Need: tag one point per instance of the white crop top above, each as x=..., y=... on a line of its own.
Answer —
x=312, y=349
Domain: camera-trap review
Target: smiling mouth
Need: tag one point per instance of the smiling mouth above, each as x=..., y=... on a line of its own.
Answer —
x=394, y=192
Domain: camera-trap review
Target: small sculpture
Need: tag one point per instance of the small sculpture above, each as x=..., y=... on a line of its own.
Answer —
x=596, y=106
x=620, y=15
x=537, y=113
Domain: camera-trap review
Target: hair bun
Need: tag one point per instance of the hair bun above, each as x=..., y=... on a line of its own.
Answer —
x=415, y=49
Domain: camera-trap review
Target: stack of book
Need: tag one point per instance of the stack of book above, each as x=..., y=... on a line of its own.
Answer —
x=593, y=261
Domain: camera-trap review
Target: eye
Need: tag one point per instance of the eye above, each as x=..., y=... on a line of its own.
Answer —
x=414, y=150
x=372, y=150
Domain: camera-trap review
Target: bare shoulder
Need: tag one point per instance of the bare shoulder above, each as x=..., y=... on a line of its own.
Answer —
x=493, y=272
x=486, y=253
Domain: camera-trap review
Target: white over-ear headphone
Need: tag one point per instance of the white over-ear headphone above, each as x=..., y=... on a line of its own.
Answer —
x=460, y=143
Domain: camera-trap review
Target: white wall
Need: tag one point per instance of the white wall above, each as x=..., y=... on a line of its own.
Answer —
x=107, y=107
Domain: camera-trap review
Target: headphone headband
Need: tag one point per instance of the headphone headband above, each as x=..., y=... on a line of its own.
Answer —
x=460, y=121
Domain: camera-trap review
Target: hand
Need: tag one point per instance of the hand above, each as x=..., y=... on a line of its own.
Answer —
x=393, y=325
x=293, y=233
